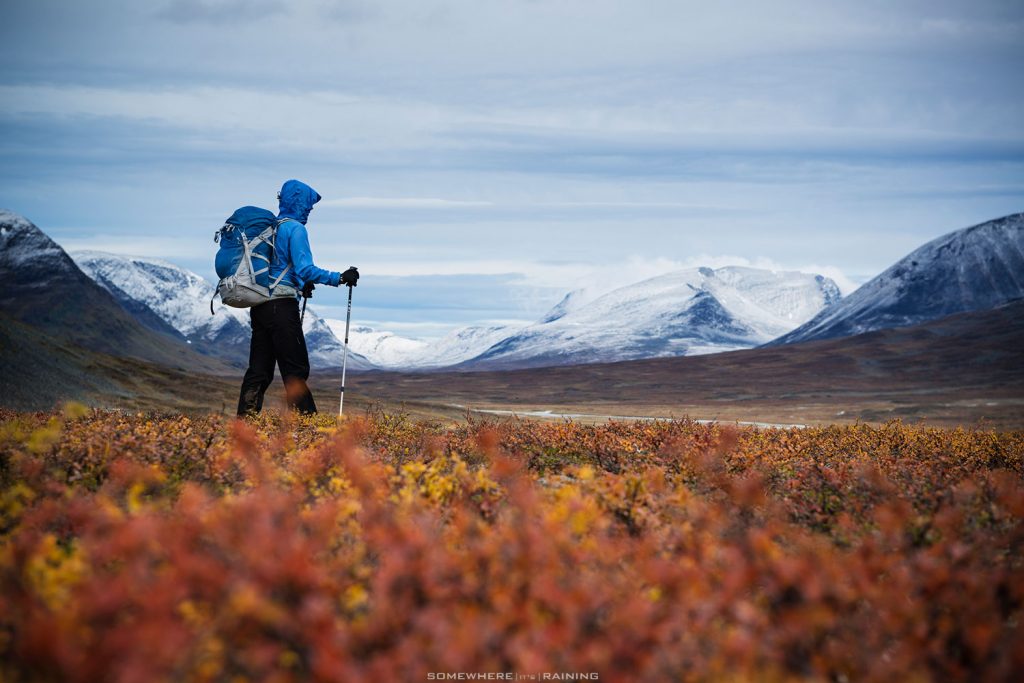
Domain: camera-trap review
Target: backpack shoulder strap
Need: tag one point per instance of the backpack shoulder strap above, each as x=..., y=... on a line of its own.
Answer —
x=273, y=245
x=271, y=232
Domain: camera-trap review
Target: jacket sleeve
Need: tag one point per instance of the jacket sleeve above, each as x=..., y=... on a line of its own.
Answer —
x=302, y=259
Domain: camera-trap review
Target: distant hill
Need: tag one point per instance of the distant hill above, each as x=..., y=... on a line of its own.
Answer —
x=973, y=269
x=689, y=312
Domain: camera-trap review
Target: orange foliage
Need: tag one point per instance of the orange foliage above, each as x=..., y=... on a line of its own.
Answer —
x=149, y=547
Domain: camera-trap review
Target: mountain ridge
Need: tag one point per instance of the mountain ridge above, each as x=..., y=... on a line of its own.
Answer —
x=971, y=269
x=686, y=312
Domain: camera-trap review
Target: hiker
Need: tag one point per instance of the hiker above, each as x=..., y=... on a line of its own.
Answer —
x=276, y=327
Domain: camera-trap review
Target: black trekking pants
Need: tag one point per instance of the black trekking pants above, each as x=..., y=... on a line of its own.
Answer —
x=276, y=338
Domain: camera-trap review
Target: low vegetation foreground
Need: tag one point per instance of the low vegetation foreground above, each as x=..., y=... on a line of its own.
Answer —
x=144, y=547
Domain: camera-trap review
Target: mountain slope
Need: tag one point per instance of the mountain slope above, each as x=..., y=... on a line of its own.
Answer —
x=973, y=269
x=688, y=312
x=44, y=288
x=164, y=296
x=41, y=372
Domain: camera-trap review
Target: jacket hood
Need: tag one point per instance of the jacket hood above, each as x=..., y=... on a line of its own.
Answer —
x=296, y=200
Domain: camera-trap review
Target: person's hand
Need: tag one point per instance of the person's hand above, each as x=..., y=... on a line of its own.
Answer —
x=350, y=277
x=307, y=290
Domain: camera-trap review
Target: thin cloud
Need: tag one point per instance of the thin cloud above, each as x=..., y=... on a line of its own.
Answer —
x=634, y=205
x=402, y=203
x=439, y=203
x=220, y=12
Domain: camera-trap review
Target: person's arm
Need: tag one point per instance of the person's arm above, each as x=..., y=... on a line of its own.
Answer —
x=302, y=259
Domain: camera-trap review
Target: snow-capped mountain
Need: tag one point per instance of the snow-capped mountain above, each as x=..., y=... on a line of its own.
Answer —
x=972, y=269
x=165, y=297
x=688, y=312
x=383, y=349
x=159, y=293
x=388, y=350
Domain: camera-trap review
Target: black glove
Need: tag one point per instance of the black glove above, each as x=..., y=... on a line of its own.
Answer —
x=307, y=290
x=350, y=277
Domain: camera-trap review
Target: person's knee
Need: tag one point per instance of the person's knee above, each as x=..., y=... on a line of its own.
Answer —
x=258, y=377
x=294, y=367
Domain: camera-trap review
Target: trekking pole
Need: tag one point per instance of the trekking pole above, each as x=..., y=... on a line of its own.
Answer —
x=344, y=362
x=307, y=292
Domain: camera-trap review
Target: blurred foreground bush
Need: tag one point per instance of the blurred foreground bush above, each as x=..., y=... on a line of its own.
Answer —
x=149, y=548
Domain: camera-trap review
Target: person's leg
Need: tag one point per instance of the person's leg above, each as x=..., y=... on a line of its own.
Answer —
x=260, y=373
x=292, y=356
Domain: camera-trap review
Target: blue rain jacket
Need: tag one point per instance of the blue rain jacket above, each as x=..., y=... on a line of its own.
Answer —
x=292, y=244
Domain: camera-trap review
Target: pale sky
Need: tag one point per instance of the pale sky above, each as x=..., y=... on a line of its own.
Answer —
x=480, y=159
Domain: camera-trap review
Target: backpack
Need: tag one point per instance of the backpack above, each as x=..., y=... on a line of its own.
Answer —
x=243, y=260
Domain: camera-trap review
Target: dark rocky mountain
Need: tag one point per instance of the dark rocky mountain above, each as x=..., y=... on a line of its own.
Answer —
x=973, y=269
x=43, y=288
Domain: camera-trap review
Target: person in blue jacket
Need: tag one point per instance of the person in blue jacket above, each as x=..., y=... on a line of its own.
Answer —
x=276, y=326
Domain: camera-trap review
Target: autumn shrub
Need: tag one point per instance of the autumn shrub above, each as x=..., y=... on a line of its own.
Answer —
x=146, y=547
